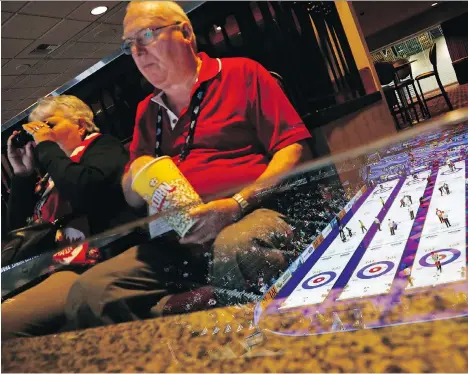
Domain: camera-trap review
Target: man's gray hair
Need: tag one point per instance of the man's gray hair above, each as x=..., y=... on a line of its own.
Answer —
x=73, y=108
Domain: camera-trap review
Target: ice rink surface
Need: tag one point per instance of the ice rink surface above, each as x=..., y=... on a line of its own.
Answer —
x=374, y=272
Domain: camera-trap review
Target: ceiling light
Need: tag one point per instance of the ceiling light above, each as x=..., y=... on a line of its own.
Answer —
x=23, y=67
x=99, y=10
x=434, y=4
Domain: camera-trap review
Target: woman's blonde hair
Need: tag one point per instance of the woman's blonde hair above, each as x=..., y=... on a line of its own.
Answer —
x=74, y=109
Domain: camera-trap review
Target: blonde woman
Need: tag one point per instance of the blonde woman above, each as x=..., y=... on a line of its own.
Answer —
x=80, y=173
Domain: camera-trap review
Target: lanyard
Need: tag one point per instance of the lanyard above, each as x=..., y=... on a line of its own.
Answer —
x=195, y=104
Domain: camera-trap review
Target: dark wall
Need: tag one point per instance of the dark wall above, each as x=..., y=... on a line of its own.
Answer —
x=456, y=36
x=432, y=17
x=290, y=38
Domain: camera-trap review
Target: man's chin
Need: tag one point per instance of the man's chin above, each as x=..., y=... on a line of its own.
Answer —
x=157, y=82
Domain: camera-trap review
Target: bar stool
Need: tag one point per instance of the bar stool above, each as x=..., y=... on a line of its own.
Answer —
x=405, y=81
x=434, y=73
x=386, y=74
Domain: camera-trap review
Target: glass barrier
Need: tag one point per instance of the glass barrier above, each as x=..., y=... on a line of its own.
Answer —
x=373, y=237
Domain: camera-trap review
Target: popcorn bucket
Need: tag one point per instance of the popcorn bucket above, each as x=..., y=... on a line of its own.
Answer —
x=161, y=184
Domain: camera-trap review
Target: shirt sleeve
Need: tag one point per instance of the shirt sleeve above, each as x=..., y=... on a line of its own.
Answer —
x=84, y=183
x=277, y=123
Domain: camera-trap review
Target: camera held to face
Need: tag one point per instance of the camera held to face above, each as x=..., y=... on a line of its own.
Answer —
x=21, y=139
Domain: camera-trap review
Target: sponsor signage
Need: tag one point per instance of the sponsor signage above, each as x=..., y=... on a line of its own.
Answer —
x=282, y=280
x=342, y=214
x=348, y=206
x=326, y=231
x=318, y=241
x=306, y=254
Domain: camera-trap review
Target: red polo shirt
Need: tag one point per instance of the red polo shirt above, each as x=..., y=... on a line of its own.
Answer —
x=244, y=119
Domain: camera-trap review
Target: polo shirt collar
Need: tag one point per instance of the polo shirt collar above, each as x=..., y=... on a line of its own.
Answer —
x=210, y=68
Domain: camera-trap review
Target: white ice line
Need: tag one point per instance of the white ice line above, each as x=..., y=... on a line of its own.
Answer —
x=335, y=258
x=450, y=242
x=376, y=271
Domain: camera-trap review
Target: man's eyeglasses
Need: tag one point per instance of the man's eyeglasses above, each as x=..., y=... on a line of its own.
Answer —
x=144, y=37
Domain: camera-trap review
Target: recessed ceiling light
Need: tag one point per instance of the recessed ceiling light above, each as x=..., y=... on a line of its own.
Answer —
x=99, y=10
x=434, y=4
x=23, y=67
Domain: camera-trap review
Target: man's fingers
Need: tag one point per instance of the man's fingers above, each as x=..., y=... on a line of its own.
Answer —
x=197, y=212
x=194, y=234
x=198, y=237
x=201, y=233
x=197, y=226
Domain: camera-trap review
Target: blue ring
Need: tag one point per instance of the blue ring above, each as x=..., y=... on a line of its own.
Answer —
x=448, y=172
x=306, y=286
x=360, y=273
x=379, y=191
x=456, y=253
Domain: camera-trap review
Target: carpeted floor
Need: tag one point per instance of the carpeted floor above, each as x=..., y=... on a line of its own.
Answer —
x=458, y=95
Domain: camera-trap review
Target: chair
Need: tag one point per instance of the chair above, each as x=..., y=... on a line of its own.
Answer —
x=405, y=81
x=434, y=73
x=386, y=74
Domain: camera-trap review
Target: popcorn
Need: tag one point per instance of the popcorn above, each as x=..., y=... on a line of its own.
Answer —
x=164, y=187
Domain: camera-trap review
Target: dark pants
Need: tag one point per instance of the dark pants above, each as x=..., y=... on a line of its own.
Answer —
x=438, y=265
x=447, y=222
x=342, y=236
x=142, y=281
x=378, y=226
x=392, y=231
x=363, y=229
x=441, y=219
x=39, y=310
x=411, y=214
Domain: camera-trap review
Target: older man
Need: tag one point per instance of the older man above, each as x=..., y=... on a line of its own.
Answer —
x=226, y=123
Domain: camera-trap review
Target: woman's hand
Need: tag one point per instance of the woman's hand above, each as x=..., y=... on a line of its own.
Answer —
x=21, y=159
x=40, y=131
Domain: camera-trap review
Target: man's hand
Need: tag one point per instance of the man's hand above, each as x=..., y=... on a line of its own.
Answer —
x=132, y=198
x=21, y=159
x=212, y=218
x=40, y=131
x=139, y=164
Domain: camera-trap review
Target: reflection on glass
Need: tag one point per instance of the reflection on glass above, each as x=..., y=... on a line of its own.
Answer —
x=354, y=256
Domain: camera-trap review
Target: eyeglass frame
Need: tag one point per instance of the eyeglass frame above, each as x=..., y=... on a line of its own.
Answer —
x=134, y=41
